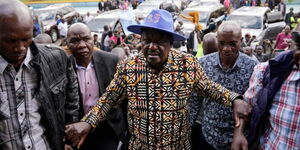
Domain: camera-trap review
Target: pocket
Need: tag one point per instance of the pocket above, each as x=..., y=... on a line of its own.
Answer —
x=58, y=92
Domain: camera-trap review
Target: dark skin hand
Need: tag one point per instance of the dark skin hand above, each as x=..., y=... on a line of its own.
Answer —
x=239, y=141
x=77, y=133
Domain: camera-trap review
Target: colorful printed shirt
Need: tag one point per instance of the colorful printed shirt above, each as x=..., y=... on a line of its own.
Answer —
x=217, y=121
x=283, y=129
x=157, y=103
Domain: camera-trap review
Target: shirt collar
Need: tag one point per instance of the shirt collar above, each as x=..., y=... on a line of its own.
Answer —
x=90, y=65
x=237, y=63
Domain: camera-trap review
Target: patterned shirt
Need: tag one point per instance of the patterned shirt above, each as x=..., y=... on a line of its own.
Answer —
x=20, y=126
x=283, y=129
x=157, y=103
x=217, y=120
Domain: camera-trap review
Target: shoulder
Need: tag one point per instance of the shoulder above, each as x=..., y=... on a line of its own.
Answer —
x=209, y=57
x=103, y=54
x=51, y=51
x=248, y=60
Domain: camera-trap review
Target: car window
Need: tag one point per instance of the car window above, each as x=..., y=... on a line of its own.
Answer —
x=250, y=22
x=98, y=24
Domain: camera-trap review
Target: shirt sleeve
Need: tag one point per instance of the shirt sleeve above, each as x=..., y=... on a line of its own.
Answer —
x=255, y=83
x=209, y=89
x=113, y=96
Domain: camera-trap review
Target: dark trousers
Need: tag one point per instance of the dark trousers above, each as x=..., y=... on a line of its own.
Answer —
x=198, y=140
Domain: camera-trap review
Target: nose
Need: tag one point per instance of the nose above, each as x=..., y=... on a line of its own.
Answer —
x=227, y=48
x=152, y=45
x=20, y=47
x=81, y=44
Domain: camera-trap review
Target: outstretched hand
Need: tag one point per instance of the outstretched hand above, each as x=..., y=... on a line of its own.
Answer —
x=76, y=133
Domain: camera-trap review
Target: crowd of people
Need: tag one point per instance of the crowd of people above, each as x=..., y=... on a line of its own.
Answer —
x=143, y=91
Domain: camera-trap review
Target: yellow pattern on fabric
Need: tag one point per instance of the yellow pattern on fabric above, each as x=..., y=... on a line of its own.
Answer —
x=157, y=103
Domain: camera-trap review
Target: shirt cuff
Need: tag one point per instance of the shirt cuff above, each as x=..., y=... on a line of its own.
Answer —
x=234, y=96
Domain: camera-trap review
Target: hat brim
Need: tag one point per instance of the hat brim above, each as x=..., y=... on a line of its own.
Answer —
x=138, y=30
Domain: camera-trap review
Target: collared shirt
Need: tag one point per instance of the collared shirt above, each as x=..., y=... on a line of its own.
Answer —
x=217, y=121
x=283, y=128
x=157, y=102
x=88, y=84
x=19, y=109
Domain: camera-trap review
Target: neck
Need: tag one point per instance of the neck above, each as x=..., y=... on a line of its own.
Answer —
x=83, y=62
x=227, y=63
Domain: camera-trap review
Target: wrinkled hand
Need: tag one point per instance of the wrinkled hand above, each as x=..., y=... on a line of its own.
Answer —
x=239, y=142
x=77, y=133
x=241, y=109
x=68, y=147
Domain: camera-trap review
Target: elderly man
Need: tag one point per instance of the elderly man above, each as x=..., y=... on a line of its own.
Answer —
x=231, y=69
x=157, y=83
x=38, y=87
x=95, y=69
x=274, y=94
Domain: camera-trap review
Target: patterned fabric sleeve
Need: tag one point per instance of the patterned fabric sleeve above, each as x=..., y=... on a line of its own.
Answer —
x=113, y=96
x=207, y=88
x=255, y=84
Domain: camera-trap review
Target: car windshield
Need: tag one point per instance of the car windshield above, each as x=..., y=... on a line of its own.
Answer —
x=249, y=22
x=97, y=25
x=202, y=16
x=46, y=15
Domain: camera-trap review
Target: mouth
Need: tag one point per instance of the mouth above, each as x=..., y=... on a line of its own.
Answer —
x=153, y=54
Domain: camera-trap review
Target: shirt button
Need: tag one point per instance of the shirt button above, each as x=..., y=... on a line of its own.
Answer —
x=89, y=94
x=28, y=147
x=88, y=82
x=17, y=79
x=21, y=114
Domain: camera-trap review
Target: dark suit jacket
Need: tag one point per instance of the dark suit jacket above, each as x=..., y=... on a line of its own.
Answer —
x=109, y=132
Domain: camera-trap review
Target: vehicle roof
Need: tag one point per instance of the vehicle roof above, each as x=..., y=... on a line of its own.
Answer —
x=251, y=11
x=55, y=6
x=204, y=8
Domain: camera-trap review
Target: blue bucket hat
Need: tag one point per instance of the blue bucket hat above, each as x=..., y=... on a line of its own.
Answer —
x=158, y=19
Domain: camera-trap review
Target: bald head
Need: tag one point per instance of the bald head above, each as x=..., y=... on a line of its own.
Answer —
x=230, y=27
x=78, y=28
x=210, y=43
x=16, y=12
x=43, y=39
x=16, y=30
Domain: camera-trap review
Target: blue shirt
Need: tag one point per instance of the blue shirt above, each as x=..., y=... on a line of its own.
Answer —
x=217, y=120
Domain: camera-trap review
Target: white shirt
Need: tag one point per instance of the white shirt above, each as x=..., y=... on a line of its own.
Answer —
x=63, y=29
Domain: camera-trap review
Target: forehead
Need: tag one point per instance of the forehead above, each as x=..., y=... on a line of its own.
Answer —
x=229, y=36
x=79, y=32
x=153, y=34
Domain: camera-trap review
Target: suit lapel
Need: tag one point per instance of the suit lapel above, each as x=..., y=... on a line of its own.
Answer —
x=100, y=71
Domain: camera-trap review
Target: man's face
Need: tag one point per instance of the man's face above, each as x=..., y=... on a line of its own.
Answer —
x=15, y=38
x=155, y=47
x=259, y=50
x=229, y=45
x=80, y=42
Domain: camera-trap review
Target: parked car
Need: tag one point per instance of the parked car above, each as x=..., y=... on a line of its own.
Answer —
x=196, y=3
x=258, y=21
x=145, y=8
x=115, y=19
x=206, y=13
x=47, y=17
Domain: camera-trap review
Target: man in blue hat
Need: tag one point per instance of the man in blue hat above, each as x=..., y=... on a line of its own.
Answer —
x=157, y=83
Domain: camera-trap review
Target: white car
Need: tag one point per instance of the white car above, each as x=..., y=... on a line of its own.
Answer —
x=258, y=21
